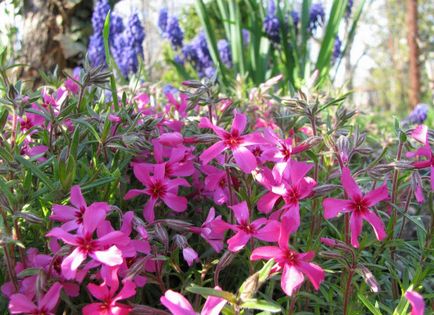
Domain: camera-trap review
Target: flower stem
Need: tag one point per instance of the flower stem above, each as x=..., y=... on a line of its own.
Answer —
x=347, y=292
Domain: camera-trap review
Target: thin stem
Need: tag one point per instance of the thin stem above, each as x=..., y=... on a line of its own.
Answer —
x=407, y=203
x=395, y=185
x=347, y=292
x=292, y=305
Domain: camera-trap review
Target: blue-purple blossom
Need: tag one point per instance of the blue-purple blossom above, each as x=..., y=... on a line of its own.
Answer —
x=295, y=17
x=271, y=23
x=225, y=52
x=197, y=53
x=96, y=43
x=316, y=16
x=174, y=32
x=168, y=88
x=246, y=36
x=162, y=19
x=418, y=115
x=337, y=49
x=116, y=27
x=178, y=59
x=135, y=34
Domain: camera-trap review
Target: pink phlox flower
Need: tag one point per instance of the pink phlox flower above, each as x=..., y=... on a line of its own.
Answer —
x=158, y=187
x=177, y=304
x=171, y=139
x=292, y=187
x=178, y=161
x=21, y=304
x=72, y=216
x=416, y=301
x=213, y=230
x=36, y=151
x=31, y=121
x=143, y=100
x=109, y=304
x=421, y=134
x=234, y=141
x=359, y=206
x=294, y=265
x=103, y=250
x=216, y=184
x=180, y=104
x=262, y=229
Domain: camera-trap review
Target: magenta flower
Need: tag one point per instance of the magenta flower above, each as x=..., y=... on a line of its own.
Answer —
x=234, y=141
x=109, y=301
x=359, y=206
x=262, y=229
x=21, y=304
x=179, y=305
x=294, y=265
x=72, y=217
x=416, y=301
x=292, y=188
x=421, y=134
x=216, y=184
x=158, y=187
x=103, y=250
x=212, y=230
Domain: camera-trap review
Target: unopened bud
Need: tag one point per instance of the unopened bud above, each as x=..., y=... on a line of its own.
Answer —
x=177, y=225
x=161, y=234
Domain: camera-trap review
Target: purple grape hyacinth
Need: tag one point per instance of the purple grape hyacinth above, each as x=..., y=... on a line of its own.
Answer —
x=225, y=52
x=271, y=23
x=418, y=115
x=316, y=16
x=337, y=49
x=135, y=34
x=174, y=32
x=162, y=19
x=96, y=43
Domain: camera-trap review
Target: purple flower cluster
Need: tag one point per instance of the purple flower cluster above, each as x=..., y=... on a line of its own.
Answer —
x=271, y=23
x=418, y=114
x=337, y=49
x=198, y=54
x=125, y=43
x=174, y=32
x=316, y=16
x=295, y=17
x=349, y=9
x=96, y=43
x=225, y=52
x=162, y=20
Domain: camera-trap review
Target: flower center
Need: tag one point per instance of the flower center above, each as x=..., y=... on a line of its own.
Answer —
x=292, y=196
x=158, y=190
x=26, y=124
x=79, y=215
x=285, y=152
x=359, y=205
x=232, y=140
x=246, y=227
x=86, y=244
x=222, y=182
x=257, y=151
x=290, y=257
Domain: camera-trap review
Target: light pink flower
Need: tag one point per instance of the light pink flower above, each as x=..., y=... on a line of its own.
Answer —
x=158, y=187
x=416, y=301
x=262, y=229
x=109, y=299
x=359, y=206
x=177, y=304
x=21, y=304
x=421, y=134
x=234, y=141
x=294, y=265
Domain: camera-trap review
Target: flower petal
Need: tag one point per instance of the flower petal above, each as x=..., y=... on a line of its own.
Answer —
x=141, y=172
x=298, y=170
x=77, y=199
x=350, y=186
x=213, y=305
x=376, y=224
x=63, y=213
x=133, y=193
x=314, y=272
x=239, y=123
x=128, y=290
x=332, y=207
x=19, y=303
x=270, y=232
x=98, y=291
x=266, y=253
x=176, y=303
x=241, y=212
x=71, y=263
x=244, y=159
x=110, y=257
x=51, y=298
x=420, y=133
x=174, y=202
x=238, y=241
x=291, y=279
x=356, y=228
x=416, y=301
x=92, y=219
x=148, y=210
x=375, y=196
x=267, y=202
x=63, y=235
x=212, y=152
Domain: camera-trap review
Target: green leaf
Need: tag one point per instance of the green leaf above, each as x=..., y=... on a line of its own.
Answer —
x=374, y=310
x=89, y=127
x=262, y=305
x=35, y=170
x=205, y=292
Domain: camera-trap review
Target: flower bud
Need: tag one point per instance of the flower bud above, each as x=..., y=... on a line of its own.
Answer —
x=161, y=234
x=177, y=225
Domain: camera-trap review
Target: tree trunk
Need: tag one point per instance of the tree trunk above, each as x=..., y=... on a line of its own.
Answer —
x=414, y=71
